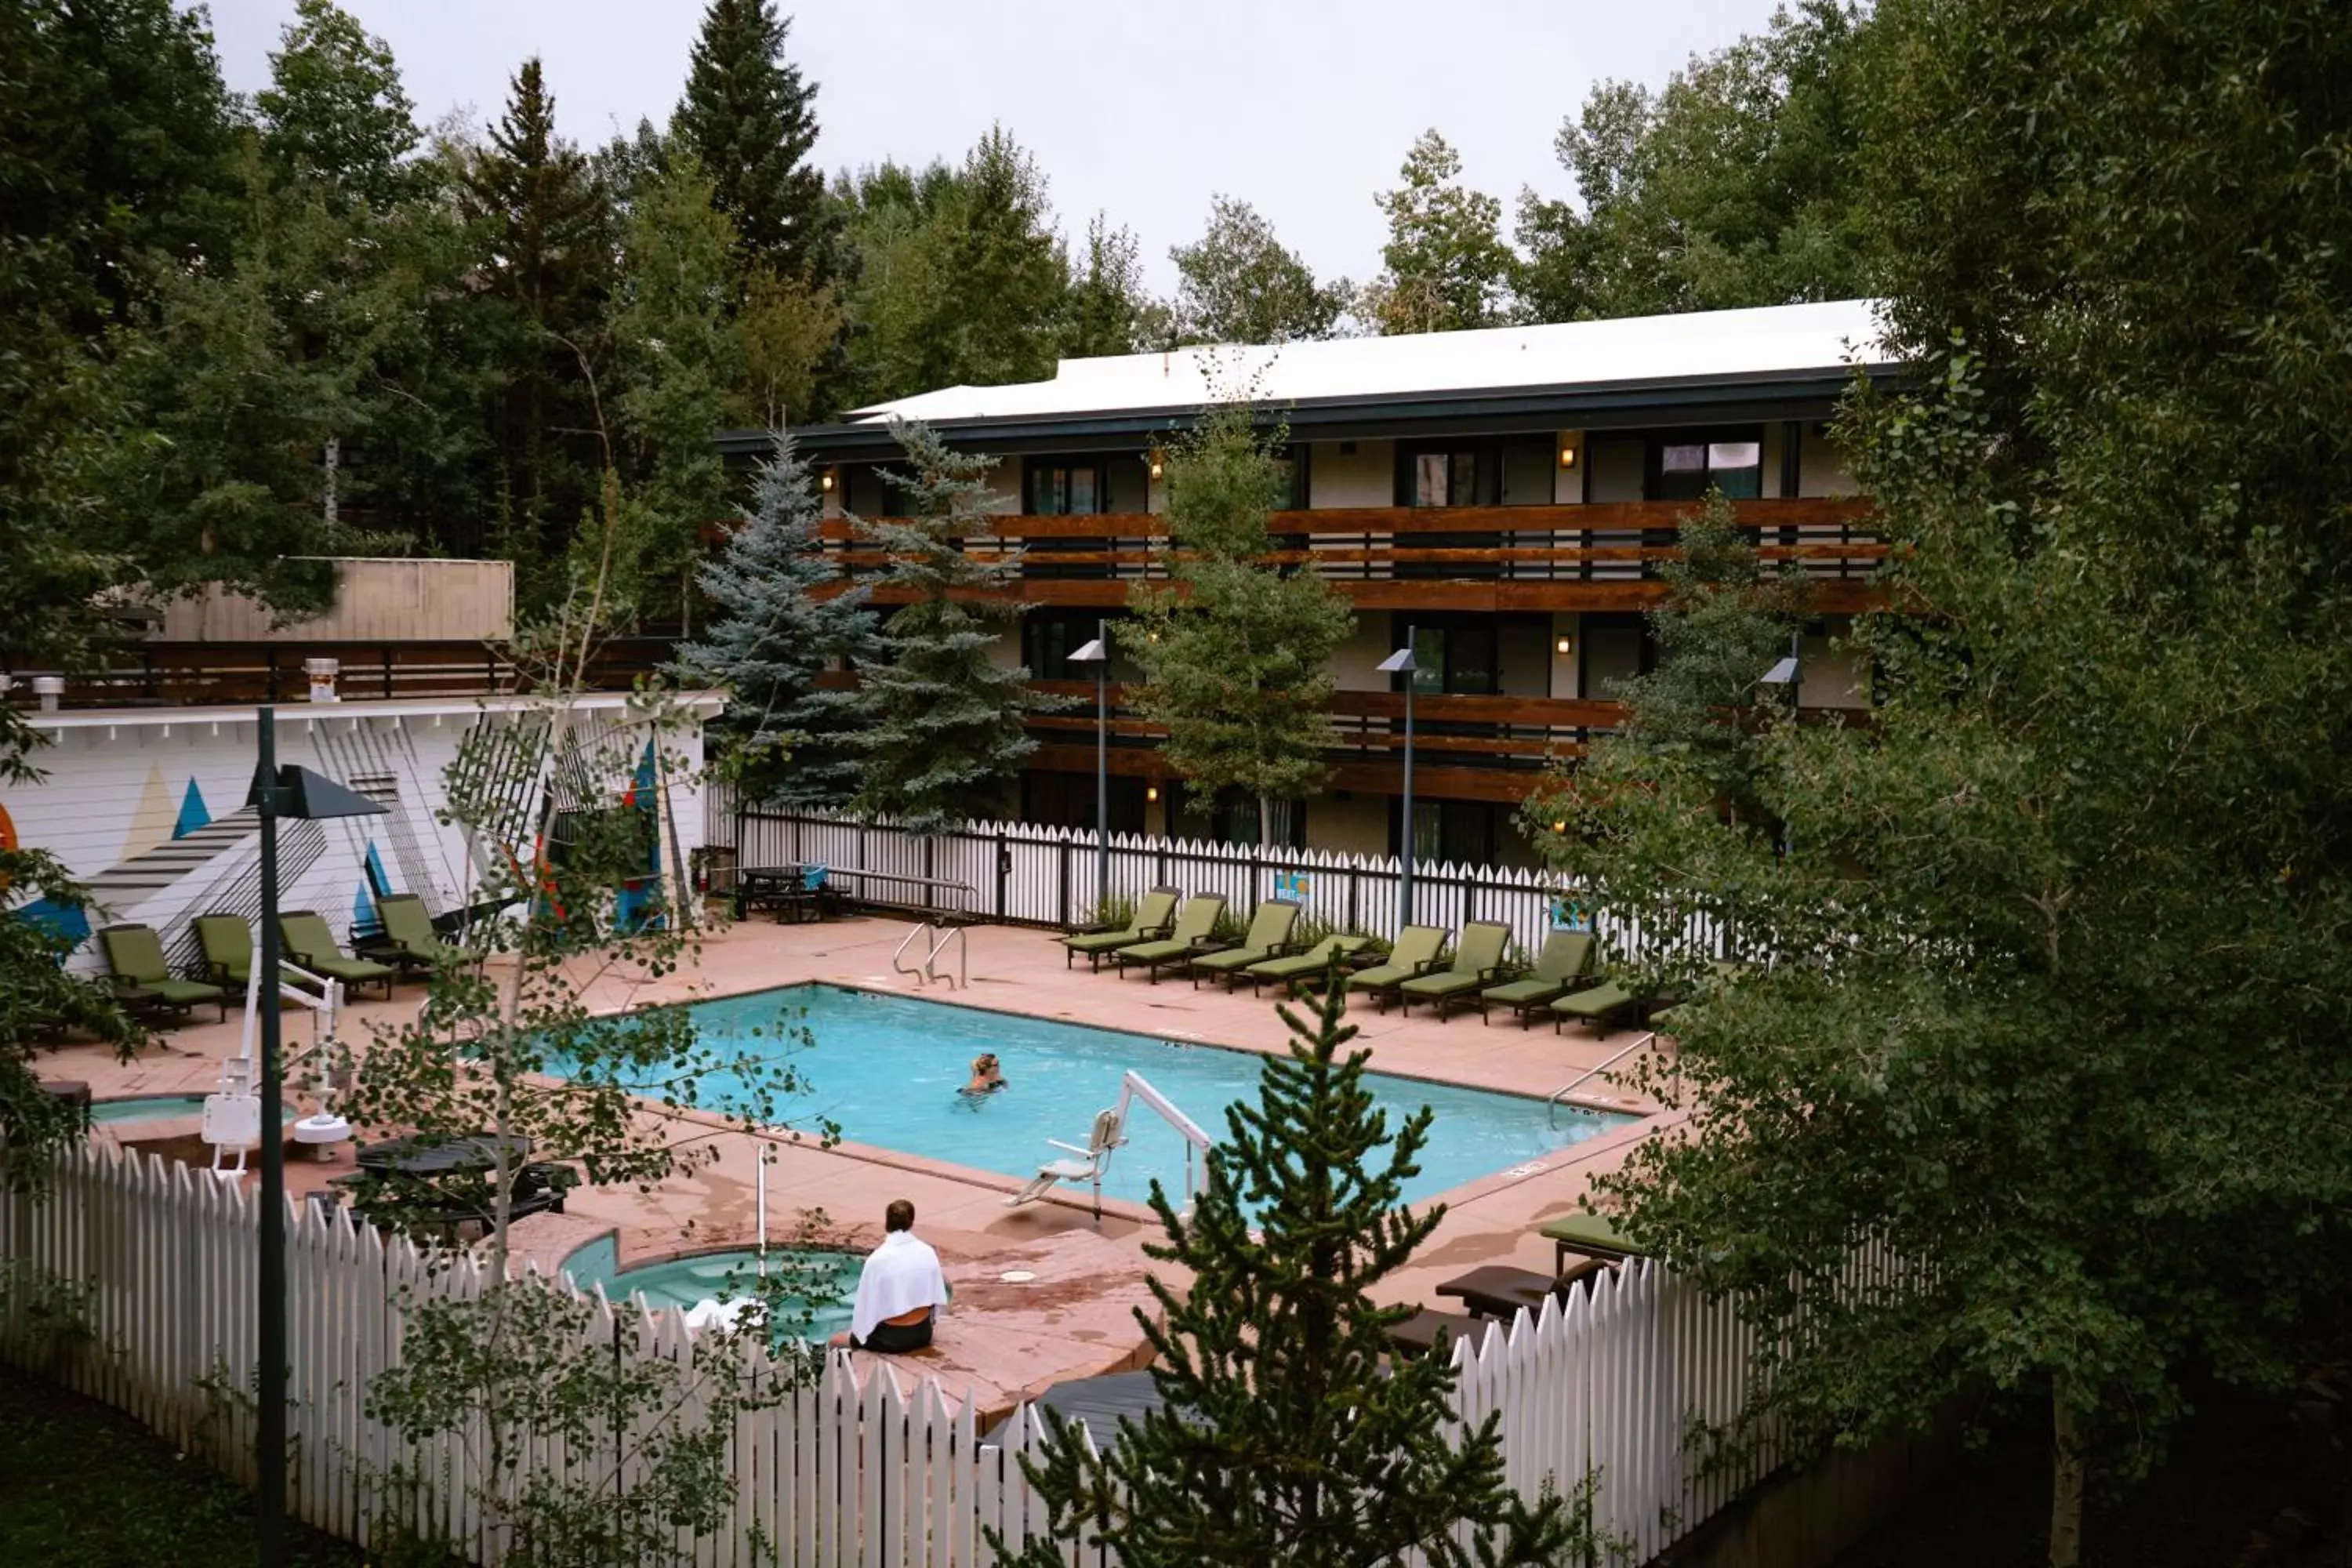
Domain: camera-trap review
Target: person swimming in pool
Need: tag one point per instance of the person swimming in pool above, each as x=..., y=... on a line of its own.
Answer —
x=987, y=1078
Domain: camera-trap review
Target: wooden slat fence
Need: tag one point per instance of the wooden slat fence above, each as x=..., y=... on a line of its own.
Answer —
x=159, y=1262
x=1030, y=875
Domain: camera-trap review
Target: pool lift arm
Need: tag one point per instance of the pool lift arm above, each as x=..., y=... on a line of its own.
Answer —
x=1110, y=1133
x=233, y=1116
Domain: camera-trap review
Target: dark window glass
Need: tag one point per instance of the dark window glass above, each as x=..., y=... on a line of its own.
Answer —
x=1058, y=489
x=1688, y=466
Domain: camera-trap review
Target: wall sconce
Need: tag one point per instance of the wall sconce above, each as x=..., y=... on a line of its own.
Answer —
x=1152, y=791
x=1159, y=465
x=1568, y=457
x=1559, y=826
x=1563, y=645
x=827, y=481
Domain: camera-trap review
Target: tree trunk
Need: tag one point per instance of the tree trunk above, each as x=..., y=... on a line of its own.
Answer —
x=2065, y=1478
x=1264, y=822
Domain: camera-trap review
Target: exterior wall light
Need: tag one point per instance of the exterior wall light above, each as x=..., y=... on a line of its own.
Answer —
x=1152, y=791
x=1159, y=465
x=827, y=481
x=1568, y=457
x=1563, y=645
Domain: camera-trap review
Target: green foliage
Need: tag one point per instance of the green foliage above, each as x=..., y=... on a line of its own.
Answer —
x=649, y=1440
x=1233, y=651
x=749, y=117
x=1288, y=1434
x=1736, y=184
x=1238, y=284
x=2087, y=864
x=1107, y=310
x=334, y=110
x=785, y=736
x=940, y=724
x=1445, y=265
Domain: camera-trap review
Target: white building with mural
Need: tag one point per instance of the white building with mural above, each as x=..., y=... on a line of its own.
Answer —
x=147, y=805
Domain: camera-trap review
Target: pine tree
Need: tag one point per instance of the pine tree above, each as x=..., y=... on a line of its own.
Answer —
x=784, y=733
x=748, y=115
x=547, y=229
x=941, y=724
x=1283, y=1436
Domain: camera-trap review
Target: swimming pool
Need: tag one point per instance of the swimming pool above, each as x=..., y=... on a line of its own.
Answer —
x=157, y=1108
x=686, y=1282
x=887, y=1069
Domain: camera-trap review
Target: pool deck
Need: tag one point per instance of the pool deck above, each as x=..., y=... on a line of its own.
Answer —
x=1007, y=1340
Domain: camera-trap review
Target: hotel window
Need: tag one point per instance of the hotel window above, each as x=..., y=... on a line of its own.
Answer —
x=1059, y=487
x=1690, y=464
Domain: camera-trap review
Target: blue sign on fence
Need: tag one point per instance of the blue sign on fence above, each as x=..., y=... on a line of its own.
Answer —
x=1567, y=915
x=1290, y=885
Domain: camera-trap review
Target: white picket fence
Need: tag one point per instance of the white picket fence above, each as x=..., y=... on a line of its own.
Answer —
x=1034, y=875
x=163, y=1260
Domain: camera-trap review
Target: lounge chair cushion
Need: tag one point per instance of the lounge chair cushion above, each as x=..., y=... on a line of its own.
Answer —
x=1314, y=961
x=1591, y=1233
x=1416, y=947
x=1152, y=915
x=1594, y=1001
x=1524, y=993
x=1199, y=919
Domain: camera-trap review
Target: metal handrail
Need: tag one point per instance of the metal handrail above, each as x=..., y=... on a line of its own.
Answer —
x=927, y=969
x=1551, y=1104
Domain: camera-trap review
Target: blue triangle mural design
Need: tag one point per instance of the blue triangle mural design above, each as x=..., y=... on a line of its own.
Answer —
x=192, y=814
x=68, y=923
x=364, y=915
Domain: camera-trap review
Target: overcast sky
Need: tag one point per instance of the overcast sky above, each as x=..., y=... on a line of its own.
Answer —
x=1143, y=112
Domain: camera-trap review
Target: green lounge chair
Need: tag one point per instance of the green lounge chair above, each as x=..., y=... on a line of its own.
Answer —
x=310, y=943
x=227, y=945
x=1416, y=952
x=1478, y=962
x=1565, y=960
x=143, y=979
x=1152, y=917
x=1185, y=939
x=1595, y=1004
x=1591, y=1235
x=1308, y=965
x=409, y=940
x=1269, y=937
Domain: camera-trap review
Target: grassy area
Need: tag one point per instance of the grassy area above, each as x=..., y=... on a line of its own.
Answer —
x=82, y=1486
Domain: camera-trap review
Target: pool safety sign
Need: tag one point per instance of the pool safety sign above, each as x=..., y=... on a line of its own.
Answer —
x=1290, y=885
x=1567, y=914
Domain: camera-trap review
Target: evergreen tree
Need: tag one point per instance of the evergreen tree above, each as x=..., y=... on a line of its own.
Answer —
x=1235, y=652
x=334, y=110
x=786, y=735
x=749, y=117
x=1238, y=284
x=1107, y=310
x=1287, y=1433
x=543, y=221
x=1446, y=265
x=939, y=725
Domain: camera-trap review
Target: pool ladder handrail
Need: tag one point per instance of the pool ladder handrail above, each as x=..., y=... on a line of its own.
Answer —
x=1551, y=1104
x=926, y=969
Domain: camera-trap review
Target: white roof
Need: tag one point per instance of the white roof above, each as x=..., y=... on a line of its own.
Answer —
x=1699, y=344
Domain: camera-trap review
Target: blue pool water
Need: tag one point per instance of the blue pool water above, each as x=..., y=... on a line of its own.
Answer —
x=888, y=1069
x=157, y=1108
x=683, y=1282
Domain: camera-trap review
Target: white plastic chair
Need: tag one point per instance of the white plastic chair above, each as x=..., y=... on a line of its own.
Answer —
x=1109, y=1132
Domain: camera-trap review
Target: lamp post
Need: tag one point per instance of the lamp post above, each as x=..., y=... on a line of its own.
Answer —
x=1098, y=653
x=301, y=793
x=1401, y=663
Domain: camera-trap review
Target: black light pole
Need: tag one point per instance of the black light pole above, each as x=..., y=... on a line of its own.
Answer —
x=1098, y=653
x=295, y=792
x=1401, y=663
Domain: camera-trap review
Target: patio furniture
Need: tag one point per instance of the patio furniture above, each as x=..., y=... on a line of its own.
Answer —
x=1416, y=952
x=1191, y=930
x=1417, y=1335
x=409, y=941
x=1109, y=1132
x=435, y=1186
x=1309, y=966
x=1152, y=917
x=1498, y=1290
x=1565, y=960
x=143, y=980
x=1590, y=1235
x=1478, y=962
x=1269, y=936
x=310, y=943
x=1595, y=1004
x=227, y=945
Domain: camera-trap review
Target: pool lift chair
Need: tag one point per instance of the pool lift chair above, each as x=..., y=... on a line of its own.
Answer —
x=1110, y=1133
x=233, y=1119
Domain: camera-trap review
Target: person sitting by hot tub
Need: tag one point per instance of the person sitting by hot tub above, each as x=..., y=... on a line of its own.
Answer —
x=900, y=1290
x=987, y=1076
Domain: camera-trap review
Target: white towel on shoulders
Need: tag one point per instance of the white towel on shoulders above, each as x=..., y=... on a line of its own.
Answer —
x=900, y=1275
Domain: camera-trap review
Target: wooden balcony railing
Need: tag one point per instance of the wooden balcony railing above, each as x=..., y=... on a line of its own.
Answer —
x=236, y=674
x=1520, y=557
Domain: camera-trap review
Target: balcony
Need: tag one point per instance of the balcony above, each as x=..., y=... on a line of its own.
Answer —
x=1603, y=556
x=1467, y=748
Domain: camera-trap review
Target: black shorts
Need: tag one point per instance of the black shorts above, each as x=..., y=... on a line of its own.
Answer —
x=891, y=1338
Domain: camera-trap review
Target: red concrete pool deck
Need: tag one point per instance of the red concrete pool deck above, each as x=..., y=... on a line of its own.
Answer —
x=1002, y=1342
